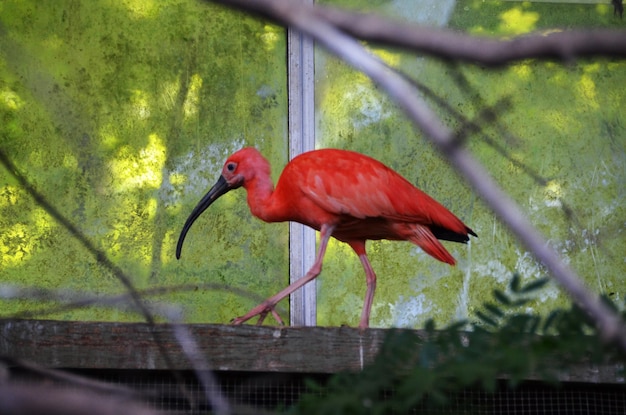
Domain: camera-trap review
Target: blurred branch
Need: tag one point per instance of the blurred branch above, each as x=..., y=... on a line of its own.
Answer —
x=313, y=21
x=172, y=313
x=488, y=114
x=73, y=300
x=29, y=399
x=446, y=44
x=98, y=254
x=70, y=379
x=220, y=405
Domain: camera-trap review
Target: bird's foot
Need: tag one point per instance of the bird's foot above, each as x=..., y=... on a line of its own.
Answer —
x=237, y=321
x=262, y=311
x=274, y=313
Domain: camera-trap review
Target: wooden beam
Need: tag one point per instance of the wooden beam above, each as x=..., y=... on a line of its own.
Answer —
x=88, y=345
x=92, y=345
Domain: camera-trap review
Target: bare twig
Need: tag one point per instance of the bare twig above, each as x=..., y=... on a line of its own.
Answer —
x=18, y=399
x=71, y=379
x=73, y=300
x=448, y=44
x=171, y=313
x=327, y=34
x=126, y=281
x=99, y=255
x=205, y=376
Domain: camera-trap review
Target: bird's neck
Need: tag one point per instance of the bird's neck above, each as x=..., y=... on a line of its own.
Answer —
x=260, y=191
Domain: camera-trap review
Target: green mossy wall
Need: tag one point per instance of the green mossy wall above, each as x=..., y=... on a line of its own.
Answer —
x=121, y=114
x=560, y=127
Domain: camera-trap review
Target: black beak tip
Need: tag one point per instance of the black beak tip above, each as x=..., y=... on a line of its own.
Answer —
x=179, y=249
x=215, y=192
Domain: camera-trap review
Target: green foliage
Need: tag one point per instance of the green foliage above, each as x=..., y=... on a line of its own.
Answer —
x=425, y=367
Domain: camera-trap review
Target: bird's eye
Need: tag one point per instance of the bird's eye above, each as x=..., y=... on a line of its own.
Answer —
x=231, y=166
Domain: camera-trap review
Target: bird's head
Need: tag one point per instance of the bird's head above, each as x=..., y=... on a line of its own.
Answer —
x=239, y=169
x=243, y=166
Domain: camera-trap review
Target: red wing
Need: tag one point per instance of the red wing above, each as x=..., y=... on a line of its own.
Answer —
x=346, y=183
x=334, y=185
x=360, y=194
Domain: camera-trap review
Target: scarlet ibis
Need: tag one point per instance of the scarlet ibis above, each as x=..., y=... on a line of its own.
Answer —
x=342, y=194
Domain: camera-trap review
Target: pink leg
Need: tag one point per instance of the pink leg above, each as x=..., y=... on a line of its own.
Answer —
x=262, y=316
x=267, y=306
x=369, y=295
x=370, y=278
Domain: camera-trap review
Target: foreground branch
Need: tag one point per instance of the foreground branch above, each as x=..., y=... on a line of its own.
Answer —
x=447, y=44
x=311, y=22
x=133, y=294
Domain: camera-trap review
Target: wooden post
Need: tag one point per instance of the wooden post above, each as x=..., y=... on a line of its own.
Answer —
x=301, y=80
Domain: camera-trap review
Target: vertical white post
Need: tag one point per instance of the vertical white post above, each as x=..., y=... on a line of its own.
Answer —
x=301, y=138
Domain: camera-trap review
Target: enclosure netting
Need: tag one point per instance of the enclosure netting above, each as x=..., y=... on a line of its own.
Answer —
x=249, y=392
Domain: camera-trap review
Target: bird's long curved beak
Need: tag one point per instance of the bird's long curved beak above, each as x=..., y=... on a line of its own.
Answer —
x=212, y=195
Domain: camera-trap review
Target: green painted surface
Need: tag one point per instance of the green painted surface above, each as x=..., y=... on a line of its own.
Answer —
x=564, y=124
x=121, y=114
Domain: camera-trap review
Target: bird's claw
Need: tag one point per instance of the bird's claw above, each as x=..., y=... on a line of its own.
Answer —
x=262, y=313
x=276, y=317
x=237, y=321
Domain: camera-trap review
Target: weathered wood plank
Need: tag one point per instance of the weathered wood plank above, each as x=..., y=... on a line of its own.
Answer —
x=132, y=346
x=89, y=345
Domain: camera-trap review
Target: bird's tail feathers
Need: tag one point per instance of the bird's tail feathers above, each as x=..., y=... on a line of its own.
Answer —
x=425, y=239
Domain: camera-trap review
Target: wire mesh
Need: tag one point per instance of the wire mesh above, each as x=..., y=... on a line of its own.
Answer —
x=254, y=392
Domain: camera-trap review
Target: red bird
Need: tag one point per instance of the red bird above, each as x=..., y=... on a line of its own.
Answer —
x=342, y=194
